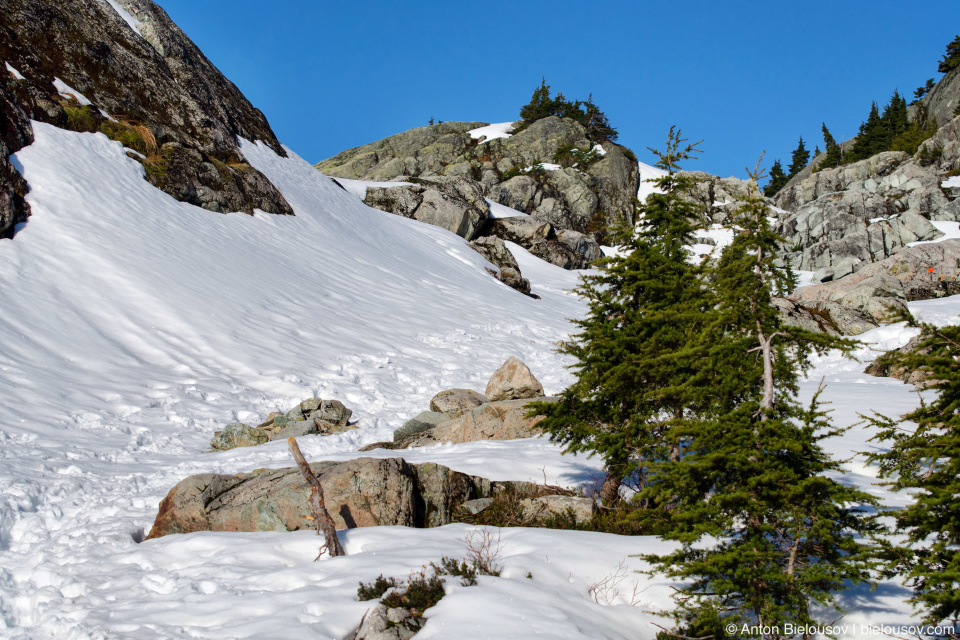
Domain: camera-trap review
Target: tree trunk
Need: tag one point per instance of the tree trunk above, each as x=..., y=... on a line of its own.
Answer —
x=610, y=490
x=331, y=544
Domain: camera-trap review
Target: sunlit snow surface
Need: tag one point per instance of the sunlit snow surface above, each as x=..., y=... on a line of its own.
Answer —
x=132, y=326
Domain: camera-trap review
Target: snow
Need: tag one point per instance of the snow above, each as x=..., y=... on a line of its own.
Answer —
x=359, y=187
x=66, y=90
x=16, y=74
x=546, y=166
x=134, y=325
x=950, y=230
x=647, y=175
x=953, y=181
x=129, y=19
x=498, y=210
x=492, y=131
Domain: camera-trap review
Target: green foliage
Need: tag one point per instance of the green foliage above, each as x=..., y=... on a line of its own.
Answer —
x=419, y=594
x=778, y=179
x=951, y=59
x=460, y=568
x=915, y=134
x=919, y=92
x=878, y=133
x=569, y=156
x=542, y=105
x=375, y=589
x=753, y=477
x=926, y=461
x=634, y=352
x=799, y=159
x=834, y=153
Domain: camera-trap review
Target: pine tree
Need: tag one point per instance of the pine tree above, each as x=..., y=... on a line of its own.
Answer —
x=777, y=180
x=596, y=123
x=782, y=533
x=927, y=459
x=540, y=105
x=633, y=352
x=834, y=156
x=799, y=159
x=951, y=60
x=869, y=139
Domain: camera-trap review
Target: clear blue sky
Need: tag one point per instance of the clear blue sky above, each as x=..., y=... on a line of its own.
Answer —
x=744, y=76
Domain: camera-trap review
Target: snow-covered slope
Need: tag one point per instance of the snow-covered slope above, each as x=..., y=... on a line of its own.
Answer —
x=133, y=325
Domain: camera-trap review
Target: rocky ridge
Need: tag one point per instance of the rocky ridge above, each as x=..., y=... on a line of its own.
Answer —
x=137, y=78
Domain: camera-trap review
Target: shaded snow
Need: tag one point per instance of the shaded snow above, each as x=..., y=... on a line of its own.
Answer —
x=129, y=19
x=66, y=90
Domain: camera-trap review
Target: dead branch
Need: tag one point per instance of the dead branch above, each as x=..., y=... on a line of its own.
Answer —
x=331, y=544
x=677, y=635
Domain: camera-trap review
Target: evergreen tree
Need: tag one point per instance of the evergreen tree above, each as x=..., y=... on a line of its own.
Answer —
x=893, y=122
x=927, y=459
x=834, y=155
x=540, y=106
x=951, y=60
x=777, y=180
x=596, y=123
x=782, y=533
x=633, y=353
x=799, y=159
x=869, y=139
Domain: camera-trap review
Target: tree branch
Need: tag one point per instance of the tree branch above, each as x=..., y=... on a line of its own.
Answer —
x=331, y=544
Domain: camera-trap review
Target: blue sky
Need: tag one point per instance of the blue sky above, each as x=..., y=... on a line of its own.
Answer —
x=743, y=76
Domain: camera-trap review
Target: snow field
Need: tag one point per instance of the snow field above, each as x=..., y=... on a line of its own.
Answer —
x=134, y=325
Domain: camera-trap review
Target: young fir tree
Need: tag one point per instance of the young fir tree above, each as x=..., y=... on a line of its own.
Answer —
x=869, y=139
x=753, y=478
x=799, y=159
x=777, y=180
x=926, y=458
x=834, y=153
x=634, y=361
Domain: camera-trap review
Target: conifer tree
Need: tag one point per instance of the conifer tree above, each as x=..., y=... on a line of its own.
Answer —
x=926, y=459
x=834, y=157
x=951, y=60
x=799, y=159
x=777, y=180
x=541, y=104
x=782, y=532
x=869, y=139
x=633, y=353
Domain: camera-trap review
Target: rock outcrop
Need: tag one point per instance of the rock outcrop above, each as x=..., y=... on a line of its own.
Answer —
x=451, y=202
x=364, y=492
x=313, y=416
x=138, y=79
x=508, y=271
x=864, y=299
x=518, y=171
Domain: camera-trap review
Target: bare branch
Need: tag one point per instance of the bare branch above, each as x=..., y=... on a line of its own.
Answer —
x=331, y=544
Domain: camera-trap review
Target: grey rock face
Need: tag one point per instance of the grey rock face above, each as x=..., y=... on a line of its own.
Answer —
x=851, y=216
x=718, y=198
x=15, y=134
x=494, y=250
x=156, y=79
x=862, y=300
x=453, y=203
x=498, y=420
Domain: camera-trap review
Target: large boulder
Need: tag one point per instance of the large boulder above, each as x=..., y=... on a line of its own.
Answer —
x=237, y=434
x=456, y=402
x=513, y=380
x=364, y=492
x=494, y=250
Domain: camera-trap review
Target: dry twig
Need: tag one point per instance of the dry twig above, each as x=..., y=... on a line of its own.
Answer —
x=331, y=544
